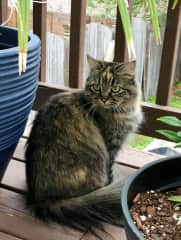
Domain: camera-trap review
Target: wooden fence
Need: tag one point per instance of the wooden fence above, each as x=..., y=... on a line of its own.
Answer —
x=76, y=59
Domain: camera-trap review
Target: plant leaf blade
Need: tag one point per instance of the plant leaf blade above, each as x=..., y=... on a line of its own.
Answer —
x=155, y=20
x=171, y=135
x=175, y=198
x=23, y=11
x=172, y=121
x=124, y=13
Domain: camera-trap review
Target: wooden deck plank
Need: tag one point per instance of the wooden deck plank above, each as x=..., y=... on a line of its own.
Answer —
x=135, y=158
x=13, y=209
x=29, y=124
x=15, y=175
x=117, y=233
x=13, y=201
x=4, y=236
x=19, y=153
x=29, y=228
x=129, y=157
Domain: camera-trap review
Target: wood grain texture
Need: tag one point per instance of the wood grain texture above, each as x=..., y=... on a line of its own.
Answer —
x=135, y=158
x=4, y=236
x=29, y=228
x=3, y=10
x=19, y=153
x=128, y=156
x=15, y=175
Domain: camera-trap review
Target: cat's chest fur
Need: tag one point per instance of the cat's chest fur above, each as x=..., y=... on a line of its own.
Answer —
x=115, y=127
x=112, y=124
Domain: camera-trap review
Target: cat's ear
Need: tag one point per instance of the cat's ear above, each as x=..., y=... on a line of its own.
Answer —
x=92, y=62
x=130, y=67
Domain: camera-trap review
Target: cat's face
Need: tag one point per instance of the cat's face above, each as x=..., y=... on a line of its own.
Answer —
x=111, y=85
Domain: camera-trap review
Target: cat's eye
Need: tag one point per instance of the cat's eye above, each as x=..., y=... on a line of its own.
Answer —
x=95, y=88
x=116, y=89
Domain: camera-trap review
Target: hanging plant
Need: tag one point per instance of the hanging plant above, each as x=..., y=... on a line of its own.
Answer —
x=124, y=12
x=23, y=12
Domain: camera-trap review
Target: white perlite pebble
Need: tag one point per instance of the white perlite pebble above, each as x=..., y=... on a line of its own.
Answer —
x=143, y=218
x=177, y=217
x=152, y=227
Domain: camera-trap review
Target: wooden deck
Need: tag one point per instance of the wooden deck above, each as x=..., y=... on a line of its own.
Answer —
x=17, y=223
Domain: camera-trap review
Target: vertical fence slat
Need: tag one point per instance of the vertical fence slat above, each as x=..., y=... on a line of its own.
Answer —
x=169, y=54
x=77, y=40
x=3, y=10
x=40, y=28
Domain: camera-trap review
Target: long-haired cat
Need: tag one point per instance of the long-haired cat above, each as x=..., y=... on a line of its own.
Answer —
x=73, y=143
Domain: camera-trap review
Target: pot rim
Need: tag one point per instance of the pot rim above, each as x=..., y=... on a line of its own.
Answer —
x=124, y=194
x=32, y=43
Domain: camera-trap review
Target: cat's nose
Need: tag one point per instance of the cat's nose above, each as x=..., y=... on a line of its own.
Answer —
x=104, y=100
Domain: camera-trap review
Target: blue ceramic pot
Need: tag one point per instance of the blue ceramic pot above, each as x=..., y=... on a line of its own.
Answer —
x=17, y=93
x=159, y=175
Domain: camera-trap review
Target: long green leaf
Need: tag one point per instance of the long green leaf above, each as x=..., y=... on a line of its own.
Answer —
x=178, y=145
x=172, y=121
x=175, y=199
x=179, y=134
x=23, y=11
x=175, y=4
x=171, y=135
x=124, y=13
x=155, y=20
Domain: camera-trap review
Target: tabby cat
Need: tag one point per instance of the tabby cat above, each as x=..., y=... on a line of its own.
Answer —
x=73, y=143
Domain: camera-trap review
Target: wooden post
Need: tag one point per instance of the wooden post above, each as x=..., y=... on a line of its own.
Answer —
x=40, y=28
x=120, y=43
x=169, y=54
x=77, y=40
x=3, y=10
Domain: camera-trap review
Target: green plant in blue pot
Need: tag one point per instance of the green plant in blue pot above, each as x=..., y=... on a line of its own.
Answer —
x=19, y=74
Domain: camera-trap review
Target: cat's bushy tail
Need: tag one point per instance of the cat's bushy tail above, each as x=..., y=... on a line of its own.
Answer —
x=86, y=212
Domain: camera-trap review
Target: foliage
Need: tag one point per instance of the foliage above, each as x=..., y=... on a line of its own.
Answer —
x=149, y=5
x=175, y=100
x=176, y=199
x=140, y=142
x=102, y=8
x=171, y=135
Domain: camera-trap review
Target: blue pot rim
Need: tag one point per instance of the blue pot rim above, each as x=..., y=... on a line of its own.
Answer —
x=33, y=42
x=124, y=193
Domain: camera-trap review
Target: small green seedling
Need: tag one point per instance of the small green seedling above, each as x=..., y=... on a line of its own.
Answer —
x=176, y=199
